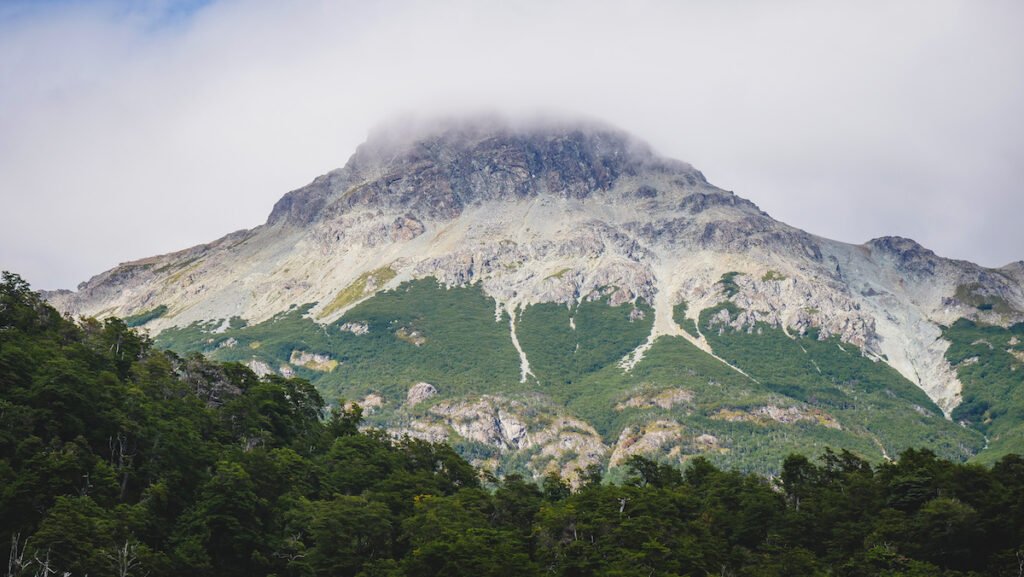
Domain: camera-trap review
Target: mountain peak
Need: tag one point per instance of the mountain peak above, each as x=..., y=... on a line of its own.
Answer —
x=407, y=135
x=577, y=253
x=437, y=167
x=897, y=244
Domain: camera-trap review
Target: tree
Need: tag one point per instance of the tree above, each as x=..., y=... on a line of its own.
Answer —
x=348, y=532
x=644, y=472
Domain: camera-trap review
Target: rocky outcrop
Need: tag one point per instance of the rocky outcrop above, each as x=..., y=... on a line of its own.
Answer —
x=356, y=328
x=313, y=361
x=797, y=305
x=553, y=440
x=370, y=404
x=418, y=393
x=665, y=399
x=489, y=420
x=663, y=440
x=261, y=368
x=652, y=440
x=775, y=414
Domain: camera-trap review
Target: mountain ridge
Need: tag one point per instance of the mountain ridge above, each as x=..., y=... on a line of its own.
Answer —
x=439, y=170
x=564, y=214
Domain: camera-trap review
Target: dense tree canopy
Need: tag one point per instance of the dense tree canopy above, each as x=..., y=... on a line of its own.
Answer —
x=120, y=459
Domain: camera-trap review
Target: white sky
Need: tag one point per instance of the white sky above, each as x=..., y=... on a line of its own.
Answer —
x=128, y=131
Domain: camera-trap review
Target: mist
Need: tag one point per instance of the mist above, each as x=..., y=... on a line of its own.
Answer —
x=129, y=132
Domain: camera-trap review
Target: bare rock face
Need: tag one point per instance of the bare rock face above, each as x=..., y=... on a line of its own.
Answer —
x=406, y=228
x=420, y=392
x=488, y=420
x=313, y=361
x=370, y=404
x=797, y=305
x=784, y=415
x=554, y=441
x=906, y=255
x=568, y=446
x=356, y=328
x=665, y=399
x=437, y=171
x=663, y=439
x=649, y=440
x=261, y=368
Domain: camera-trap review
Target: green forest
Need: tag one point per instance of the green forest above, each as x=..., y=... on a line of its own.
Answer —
x=119, y=458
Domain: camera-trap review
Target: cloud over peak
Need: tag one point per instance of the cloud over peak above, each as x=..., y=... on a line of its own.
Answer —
x=130, y=132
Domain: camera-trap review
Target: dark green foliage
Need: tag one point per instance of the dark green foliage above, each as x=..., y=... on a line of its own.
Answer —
x=679, y=316
x=644, y=472
x=560, y=355
x=117, y=456
x=973, y=294
x=146, y=316
x=119, y=459
x=728, y=283
x=990, y=363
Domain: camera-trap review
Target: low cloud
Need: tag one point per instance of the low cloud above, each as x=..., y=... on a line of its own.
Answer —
x=130, y=132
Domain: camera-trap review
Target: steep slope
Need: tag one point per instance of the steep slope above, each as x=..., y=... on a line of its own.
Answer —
x=548, y=266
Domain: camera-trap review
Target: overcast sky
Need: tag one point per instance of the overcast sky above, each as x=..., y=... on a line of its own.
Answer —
x=129, y=129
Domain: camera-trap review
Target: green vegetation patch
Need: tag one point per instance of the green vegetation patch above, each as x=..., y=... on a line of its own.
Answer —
x=679, y=316
x=773, y=275
x=559, y=274
x=990, y=363
x=144, y=317
x=560, y=355
x=422, y=331
x=419, y=331
x=728, y=283
x=368, y=281
x=972, y=294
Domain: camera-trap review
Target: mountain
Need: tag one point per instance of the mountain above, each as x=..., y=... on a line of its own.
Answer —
x=554, y=295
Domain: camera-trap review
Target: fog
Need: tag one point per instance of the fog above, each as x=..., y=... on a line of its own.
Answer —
x=132, y=129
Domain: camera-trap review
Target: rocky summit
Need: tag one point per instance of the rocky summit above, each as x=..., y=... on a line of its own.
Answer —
x=554, y=295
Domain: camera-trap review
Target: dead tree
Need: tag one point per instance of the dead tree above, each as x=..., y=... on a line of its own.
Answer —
x=125, y=558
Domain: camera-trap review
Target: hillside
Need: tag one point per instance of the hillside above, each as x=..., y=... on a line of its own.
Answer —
x=550, y=295
x=118, y=458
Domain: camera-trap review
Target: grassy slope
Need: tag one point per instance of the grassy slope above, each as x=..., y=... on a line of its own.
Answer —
x=990, y=363
x=462, y=350
x=465, y=351
x=561, y=355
